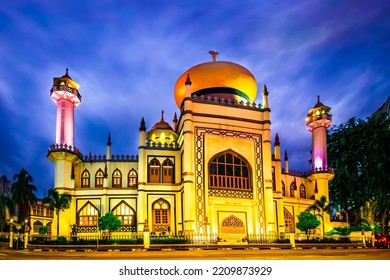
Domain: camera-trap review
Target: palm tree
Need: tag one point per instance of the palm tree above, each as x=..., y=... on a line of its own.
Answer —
x=58, y=202
x=5, y=204
x=321, y=206
x=23, y=192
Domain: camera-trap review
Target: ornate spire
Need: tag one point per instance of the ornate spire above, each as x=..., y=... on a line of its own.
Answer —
x=188, y=80
x=174, y=122
x=142, y=126
x=277, y=142
x=265, y=91
x=285, y=155
x=66, y=74
x=162, y=115
x=109, y=140
x=214, y=55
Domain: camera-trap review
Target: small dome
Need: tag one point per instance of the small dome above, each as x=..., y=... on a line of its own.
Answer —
x=161, y=124
x=217, y=78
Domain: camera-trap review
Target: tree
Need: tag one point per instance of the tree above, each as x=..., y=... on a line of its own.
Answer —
x=109, y=222
x=5, y=205
x=359, y=150
x=321, y=206
x=307, y=221
x=58, y=202
x=23, y=192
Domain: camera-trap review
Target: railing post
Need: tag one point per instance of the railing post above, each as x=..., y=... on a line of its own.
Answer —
x=146, y=235
x=292, y=240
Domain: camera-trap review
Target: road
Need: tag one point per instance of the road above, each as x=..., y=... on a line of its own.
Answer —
x=226, y=254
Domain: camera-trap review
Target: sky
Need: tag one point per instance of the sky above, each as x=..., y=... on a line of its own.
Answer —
x=127, y=55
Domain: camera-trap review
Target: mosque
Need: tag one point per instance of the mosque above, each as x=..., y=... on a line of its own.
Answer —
x=213, y=170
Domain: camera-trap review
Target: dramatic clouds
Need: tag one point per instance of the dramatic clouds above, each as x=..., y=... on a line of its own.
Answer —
x=127, y=55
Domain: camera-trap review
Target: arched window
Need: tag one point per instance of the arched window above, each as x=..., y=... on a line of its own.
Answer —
x=132, y=178
x=124, y=213
x=283, y=189
x=161, y=215
x=288, y=221
x=154, y=171
x=293, y=187
x=302, y=191
x=88, y=215
x=228, y=170
x=273, y=179
x=48, y=225
x=85, y=179
x=36, y=226
x=167, y=171
x=99, y=178
x=117, y=179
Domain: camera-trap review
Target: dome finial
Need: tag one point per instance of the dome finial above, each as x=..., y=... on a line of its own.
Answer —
x=214, y=55
x=162, y=115
x=188, y=80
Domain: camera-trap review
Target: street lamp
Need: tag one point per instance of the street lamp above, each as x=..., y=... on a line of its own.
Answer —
x=11, y=233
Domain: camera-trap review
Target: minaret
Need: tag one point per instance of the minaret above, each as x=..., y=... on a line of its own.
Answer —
x=285, y=161
x=65, y=93
x=277, y=147
x=174, y=122
x=108, y=152
x=317, y=121
x=265, y=96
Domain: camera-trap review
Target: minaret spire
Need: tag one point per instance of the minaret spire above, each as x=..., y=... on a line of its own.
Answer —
x=142, y=126
x=174, y=122
x=277, y=142
x=265, y=97
x=109, y=139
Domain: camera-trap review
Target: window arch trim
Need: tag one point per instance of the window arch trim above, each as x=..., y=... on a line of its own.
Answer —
x=230, y=170
x=85, y=179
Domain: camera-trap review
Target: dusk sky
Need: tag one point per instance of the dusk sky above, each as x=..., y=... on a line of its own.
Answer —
x=127, y=55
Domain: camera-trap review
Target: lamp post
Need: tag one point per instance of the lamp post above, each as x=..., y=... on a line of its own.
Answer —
x=373, y=236
x=11, y=233
x=26, y=229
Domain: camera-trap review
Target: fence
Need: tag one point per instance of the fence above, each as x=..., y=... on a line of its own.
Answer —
x=185, y=239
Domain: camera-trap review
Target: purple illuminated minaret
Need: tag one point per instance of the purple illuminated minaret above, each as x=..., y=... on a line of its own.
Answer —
x=65, y=93
x=317, y=121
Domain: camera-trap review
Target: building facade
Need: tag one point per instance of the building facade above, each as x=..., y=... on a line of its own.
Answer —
x=213, y=170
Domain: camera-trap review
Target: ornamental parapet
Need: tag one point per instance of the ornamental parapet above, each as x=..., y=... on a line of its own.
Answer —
x=308, y=172
x=228, y=102
x=162, y=146
x=101, y=158
x=65, y=148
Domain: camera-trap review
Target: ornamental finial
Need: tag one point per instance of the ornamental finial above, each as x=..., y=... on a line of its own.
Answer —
x=214, y=55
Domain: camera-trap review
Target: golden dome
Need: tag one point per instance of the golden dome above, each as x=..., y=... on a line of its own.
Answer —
x=218, y=78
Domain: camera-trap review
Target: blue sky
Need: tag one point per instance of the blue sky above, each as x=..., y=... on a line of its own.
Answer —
x=127, y=55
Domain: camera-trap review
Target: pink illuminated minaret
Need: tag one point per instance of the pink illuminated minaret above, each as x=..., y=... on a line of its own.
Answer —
x=317, y=121
x=65, y=93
